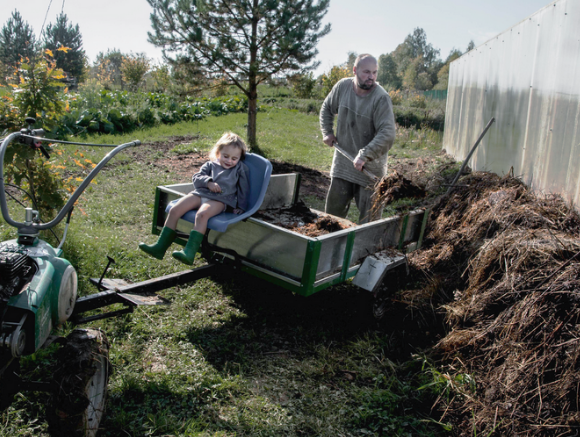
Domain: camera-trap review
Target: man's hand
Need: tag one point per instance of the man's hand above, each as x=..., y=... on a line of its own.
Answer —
x=213, y=187
x=329, y=140
x=359, y=164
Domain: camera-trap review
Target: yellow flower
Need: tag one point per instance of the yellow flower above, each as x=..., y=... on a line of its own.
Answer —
x=77, y=162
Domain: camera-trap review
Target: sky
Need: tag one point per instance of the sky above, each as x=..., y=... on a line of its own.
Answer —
x=368, y=26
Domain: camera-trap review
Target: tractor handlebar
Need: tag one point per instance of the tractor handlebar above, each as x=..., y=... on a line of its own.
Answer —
x=32, y=138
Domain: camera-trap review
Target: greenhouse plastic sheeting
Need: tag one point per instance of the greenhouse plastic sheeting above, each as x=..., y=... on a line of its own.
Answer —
x=528, y=78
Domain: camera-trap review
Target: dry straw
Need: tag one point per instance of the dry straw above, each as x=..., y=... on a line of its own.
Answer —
x=513, y=261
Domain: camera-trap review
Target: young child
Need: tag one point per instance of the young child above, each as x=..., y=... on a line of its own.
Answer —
x=221, y=184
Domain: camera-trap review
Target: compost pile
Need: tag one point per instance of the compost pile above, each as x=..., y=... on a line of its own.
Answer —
x=512, y=259
x=301, y=219
x=395, y=186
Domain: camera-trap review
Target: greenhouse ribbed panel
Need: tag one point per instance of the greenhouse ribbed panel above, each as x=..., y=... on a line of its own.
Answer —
x=528, y=78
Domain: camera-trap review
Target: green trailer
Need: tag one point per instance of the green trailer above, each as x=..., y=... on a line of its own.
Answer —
x=298, y=262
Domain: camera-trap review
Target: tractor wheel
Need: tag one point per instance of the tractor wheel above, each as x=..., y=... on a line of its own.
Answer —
x=9, y=381
x=81, y=377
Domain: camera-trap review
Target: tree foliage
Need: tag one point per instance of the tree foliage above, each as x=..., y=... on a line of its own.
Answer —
x=133, y=69
x=38, y=89
x=303, y=85
x=244, y=41
x=107, y=68
x=335, y=74
x=351, y=60
x=63, y=34
x=415, y=47
x=388, y=76
x=17, y=41
x=443, y=73
x=37, y=94
x=160, y=78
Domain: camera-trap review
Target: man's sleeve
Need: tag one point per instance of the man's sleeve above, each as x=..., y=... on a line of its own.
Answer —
x=328, y=110
x=201, y=178
x=384, y=121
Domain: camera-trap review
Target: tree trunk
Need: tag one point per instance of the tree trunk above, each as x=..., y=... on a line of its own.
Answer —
x=252, y=81
x=252, y=118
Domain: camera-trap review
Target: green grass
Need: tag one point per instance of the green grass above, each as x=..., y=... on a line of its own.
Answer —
x=232, y=355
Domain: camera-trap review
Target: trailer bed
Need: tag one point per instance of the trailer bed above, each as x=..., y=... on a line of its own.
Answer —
x=294, y=261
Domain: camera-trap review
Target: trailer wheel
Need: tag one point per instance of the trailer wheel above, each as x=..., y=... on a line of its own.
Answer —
x=379, y=304
x=81, y=377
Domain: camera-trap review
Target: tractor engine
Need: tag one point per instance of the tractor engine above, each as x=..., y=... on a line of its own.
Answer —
x=13, y=269
x=16, y=270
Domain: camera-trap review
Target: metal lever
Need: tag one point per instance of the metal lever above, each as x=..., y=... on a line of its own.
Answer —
x=111, y=261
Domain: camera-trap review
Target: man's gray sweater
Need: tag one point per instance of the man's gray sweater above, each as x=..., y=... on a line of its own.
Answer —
x=365, y=129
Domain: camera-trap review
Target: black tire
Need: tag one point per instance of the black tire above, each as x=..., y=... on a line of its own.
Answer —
x=9, y=381
x=81, y=378
x=380, y=303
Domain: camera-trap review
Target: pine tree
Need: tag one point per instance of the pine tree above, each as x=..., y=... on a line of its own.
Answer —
x=243, y=41
x=64, y=35
x=17, y=41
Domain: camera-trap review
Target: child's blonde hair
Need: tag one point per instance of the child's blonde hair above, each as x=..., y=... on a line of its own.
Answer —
x=228, y=139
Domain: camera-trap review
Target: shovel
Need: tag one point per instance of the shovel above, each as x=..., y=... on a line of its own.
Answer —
x=351, y=159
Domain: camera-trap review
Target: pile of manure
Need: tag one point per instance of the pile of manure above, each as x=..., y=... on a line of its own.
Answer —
x=395, y=186
x=510, y=259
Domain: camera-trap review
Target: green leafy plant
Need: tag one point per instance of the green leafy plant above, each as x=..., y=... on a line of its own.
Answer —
x=332, y=77
x=38, y=88
x=38, y=94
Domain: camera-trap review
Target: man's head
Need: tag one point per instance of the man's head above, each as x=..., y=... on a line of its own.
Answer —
x=365, y=71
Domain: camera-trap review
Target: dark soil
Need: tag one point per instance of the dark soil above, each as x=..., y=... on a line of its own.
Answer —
x=301, y=219
x=312, y=183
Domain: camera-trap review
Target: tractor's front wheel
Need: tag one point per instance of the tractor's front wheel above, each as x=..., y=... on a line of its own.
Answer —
x=81, y=377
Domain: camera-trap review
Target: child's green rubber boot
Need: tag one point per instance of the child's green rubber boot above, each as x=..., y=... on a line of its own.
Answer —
x=187, y=255
x=157, y=250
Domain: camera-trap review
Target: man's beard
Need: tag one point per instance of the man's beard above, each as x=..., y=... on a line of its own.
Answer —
x=363, y=86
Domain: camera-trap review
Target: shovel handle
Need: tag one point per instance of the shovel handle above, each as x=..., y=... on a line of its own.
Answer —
x=351, y=159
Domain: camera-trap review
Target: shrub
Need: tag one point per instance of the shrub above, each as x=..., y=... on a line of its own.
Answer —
x=396, y=97
x=418, y=101
x=335, y=74
x=303, y=85
x=419, y=118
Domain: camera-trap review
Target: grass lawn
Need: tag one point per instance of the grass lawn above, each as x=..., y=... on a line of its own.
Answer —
x=232, y=355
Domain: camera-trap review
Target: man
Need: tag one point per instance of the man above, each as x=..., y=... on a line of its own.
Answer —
x=366, y=131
